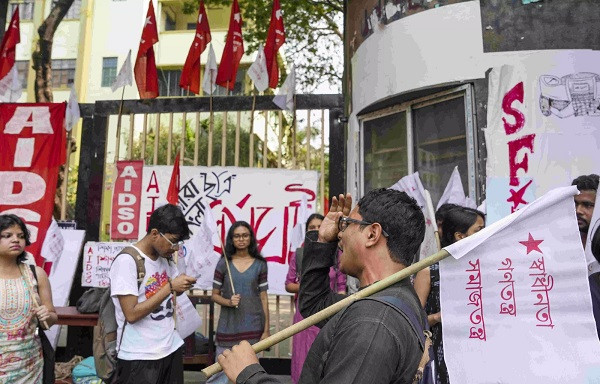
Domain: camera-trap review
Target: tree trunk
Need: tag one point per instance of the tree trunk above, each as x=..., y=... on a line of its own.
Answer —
x=42, y=56
x=3, y=16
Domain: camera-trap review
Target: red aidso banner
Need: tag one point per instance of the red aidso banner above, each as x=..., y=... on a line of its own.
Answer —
x=126, y=200
x=32, y=148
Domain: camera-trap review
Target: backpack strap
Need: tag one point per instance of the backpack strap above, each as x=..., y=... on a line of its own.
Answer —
x=420, y=328
x=139, y=262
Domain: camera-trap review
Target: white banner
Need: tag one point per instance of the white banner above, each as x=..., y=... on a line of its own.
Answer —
x=62, y=274
x=543, y=126
x=97, y=259
x=268, y=199
x=516, y=306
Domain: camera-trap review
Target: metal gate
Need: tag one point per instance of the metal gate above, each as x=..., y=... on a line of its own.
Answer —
x=243, y=132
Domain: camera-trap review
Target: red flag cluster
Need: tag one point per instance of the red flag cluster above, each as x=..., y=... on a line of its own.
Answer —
x=146, y=76
x=145, y=72
x=12, y=37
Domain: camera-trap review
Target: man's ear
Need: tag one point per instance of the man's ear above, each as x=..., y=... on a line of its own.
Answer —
x=373, y=233
x=459, y=236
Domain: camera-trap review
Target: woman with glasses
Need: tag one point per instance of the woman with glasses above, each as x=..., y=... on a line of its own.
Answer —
x=245, y=314
x=458, y=223
x=337, y=282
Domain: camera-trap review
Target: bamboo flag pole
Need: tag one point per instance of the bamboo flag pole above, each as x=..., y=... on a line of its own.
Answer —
x=27, y=276
x=119, y=125
x=210, y=125
x=335, y=308
x=251, y=149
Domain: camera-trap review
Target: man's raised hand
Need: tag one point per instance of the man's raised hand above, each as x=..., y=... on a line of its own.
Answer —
x=340, y=206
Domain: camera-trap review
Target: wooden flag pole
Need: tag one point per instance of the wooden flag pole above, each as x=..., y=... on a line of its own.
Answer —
x=335, y=308
x=29, y=283
x=119, y=125
x=210, y=125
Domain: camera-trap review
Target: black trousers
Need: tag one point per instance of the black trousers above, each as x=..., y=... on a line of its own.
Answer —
x=168, y=370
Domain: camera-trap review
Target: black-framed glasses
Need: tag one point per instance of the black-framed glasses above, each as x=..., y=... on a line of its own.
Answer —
x=174, y=246
x=345, y=221
x=244, y=236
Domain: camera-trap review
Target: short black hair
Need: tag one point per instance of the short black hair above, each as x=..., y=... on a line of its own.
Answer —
x=595, y=244
x=400, y=216
x=459, y=219
x=169, y=219
x=312, y=217
x=7, y=221
x=587, y=182
x=252, y=248
x=440, y=214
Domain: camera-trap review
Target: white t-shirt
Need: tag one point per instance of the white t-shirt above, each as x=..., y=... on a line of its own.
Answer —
x=154, y=336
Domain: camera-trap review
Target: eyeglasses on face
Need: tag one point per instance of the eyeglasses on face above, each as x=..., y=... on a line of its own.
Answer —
x=174, y=246
x=239, y=236
x=345, y=221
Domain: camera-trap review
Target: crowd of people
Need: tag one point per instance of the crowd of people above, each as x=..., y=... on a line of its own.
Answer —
x=374, y=340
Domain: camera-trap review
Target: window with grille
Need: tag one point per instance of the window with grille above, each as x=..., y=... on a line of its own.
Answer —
x=168, y=83
x=63, y=73
x=430, y=136
x=109, y=71
x=23, y=71
x=74, y=11
x=25, y=9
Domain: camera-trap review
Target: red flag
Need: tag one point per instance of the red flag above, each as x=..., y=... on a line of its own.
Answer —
x=146, y=76
x=275, y=39
x=233, y=51
x=173, y=192
x=190, y=76
x=12, y=37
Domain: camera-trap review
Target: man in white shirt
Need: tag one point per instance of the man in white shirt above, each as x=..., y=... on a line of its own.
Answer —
x=148, y=344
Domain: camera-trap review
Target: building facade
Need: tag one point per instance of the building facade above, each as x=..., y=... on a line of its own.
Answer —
x=416, y=85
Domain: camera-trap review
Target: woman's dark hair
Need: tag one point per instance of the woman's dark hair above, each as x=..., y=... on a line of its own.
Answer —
x=252, y=247
x=7, y=221
x=312, y=217
x=443, y=210
x=459, y=219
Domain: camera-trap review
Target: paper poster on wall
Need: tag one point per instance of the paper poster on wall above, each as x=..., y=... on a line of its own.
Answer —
x=543, y=124
x=97, y=259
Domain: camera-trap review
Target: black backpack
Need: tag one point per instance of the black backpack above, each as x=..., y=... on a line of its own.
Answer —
x=105, y=333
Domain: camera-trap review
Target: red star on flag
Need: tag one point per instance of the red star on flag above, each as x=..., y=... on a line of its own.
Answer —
x=532, y=245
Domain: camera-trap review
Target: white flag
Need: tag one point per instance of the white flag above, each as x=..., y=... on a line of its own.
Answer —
x=209, y=82
x=10, y=86
x=258, y=71
x=454, y=192
x=411, y=184
x=54, y=243
x=592, y=263
x=72, y=114
x=202, y=259
x=297, y=238
x=285, y=97
x=125, y=76
x=515, y=300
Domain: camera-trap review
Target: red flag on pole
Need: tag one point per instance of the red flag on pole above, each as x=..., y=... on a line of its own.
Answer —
x=173, y=192
x=275, y=39
x=190, y=75
x=233, y=51
x=146, y=75
x=12, y=37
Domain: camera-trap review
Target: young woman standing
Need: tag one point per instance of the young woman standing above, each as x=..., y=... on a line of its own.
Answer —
x=245, y=314
x=21, y=308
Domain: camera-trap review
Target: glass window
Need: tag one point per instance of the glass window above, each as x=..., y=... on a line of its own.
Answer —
x=23, y=71
x=25, y=9
x=385, y=160
x=74, y=11
x=109, y=71
x=169, y=23
x=440, y=144
x=63, y=73
x=168, y=83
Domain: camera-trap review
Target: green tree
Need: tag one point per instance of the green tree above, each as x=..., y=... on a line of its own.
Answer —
x=313, y=35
